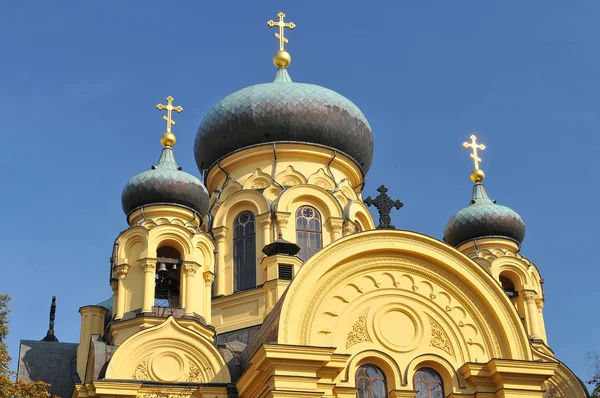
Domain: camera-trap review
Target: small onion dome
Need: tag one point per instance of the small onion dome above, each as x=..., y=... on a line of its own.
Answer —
x=165, y=183
x=284, y=111
x=281, y=246
x=483, y=218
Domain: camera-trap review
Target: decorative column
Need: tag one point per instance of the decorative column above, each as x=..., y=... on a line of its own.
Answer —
x=281, y=219
x=264, y=222
x=121, y=271
x=191, y=299
x=220, y=234
x=149, y=267
x=335, y=227
x=532, y=313
x=540, y=307
x=349, y=228
x=209, y=278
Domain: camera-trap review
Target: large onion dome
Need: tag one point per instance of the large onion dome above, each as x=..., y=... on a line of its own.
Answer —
x=483, y=218
x=284, y=111
x=165, y=183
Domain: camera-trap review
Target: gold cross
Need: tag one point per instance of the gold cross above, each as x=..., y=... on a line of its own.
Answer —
x=475, y=146
x=282, y=25
x=169, y=108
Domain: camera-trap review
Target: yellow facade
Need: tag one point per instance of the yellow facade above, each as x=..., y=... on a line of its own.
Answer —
x=395, y=299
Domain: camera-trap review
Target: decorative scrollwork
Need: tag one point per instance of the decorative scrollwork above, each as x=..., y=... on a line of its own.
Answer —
x=439, y=338
x=359, y=332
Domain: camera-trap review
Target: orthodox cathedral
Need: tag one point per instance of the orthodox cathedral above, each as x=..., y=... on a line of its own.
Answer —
x=270, y=278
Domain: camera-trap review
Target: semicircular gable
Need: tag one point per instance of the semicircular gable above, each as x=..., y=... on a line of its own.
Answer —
x=289, y=200
x=168, y=353
x=406, y=293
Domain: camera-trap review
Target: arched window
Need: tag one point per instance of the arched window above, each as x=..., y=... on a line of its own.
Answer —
x=244, y=252
x=428, y=384
x=308, y=232
x=370, y=382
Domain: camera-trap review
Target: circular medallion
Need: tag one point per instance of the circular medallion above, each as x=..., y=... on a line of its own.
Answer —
x=397, y=327
x=167, y=366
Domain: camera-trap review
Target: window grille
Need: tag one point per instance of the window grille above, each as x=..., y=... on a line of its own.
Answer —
x=308, y=232
x=244, y=251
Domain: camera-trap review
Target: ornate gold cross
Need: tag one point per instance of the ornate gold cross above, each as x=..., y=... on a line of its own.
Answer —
x=169, y=108
x=282, y=25
x=168, y=138
x=474, y=146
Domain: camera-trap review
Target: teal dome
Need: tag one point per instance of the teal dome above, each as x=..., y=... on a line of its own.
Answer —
x=165, y=183
x=483, y=218
x=283, y=111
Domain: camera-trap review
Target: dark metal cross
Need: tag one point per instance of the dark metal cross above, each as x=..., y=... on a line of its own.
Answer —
x=384, y=205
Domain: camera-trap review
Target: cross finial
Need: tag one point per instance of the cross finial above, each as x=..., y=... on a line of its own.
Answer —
x=282, y=58
x=50, y=334
x=168, y=139
x=384, y=204
x=477, y=175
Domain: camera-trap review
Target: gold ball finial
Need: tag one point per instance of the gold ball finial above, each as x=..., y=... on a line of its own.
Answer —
x=477, y=175
x=168, y=139
x=282, y=59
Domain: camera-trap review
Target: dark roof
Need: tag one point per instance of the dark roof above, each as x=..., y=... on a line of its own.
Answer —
x=165, y=183
x=51, y=362
x=483, y=218
x=283, y=111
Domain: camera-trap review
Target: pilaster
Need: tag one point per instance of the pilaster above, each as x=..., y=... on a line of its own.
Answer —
x=220, y=235
x=532, y=312
x=193, y=298
x=336, y=225
x=281, y=220
x=121, y=271
x=209, y=278
x=264, y=223
x=149, y=267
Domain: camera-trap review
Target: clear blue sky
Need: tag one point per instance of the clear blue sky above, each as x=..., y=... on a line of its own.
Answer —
x=79, y=83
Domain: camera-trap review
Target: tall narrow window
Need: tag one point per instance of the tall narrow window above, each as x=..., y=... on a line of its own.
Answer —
x=308, y=232
x=244, y=252
x=370, y=382
x=428, y=384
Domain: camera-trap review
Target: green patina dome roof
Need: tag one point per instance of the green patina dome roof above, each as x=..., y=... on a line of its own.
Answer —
x=283, y=111
x=484, y=218
x=165, y=183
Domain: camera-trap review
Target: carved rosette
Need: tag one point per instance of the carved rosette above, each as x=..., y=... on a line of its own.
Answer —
x=439, y=338
x=359, y=332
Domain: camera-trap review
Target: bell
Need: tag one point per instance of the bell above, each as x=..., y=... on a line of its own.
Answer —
x=174, y=267
x=162, y=267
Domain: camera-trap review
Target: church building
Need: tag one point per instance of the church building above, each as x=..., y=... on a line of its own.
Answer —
x=269, y=278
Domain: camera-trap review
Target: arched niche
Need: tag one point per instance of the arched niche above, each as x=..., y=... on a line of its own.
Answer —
x=357, y=212
x=168, y=353
x=410, y=277
x=515, y=269
x=245, y=200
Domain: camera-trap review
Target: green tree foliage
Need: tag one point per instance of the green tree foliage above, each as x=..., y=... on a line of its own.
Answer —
x=8, y=387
